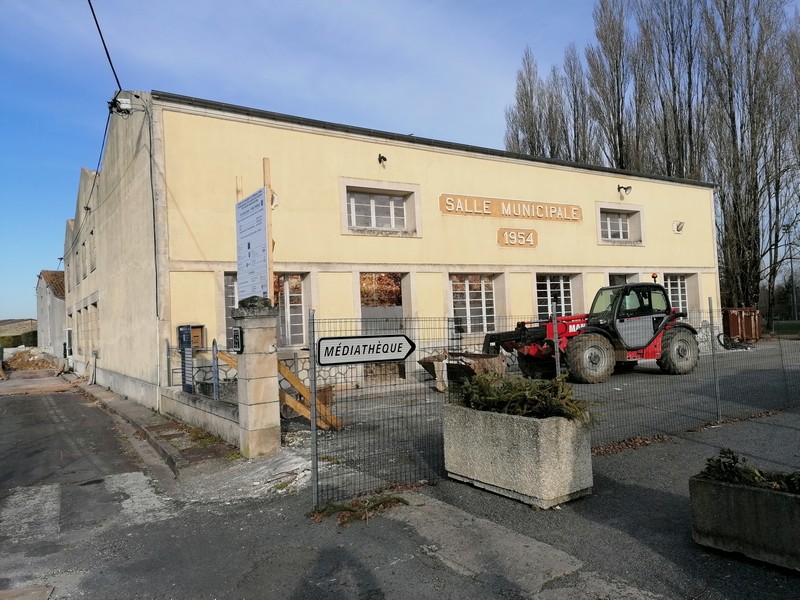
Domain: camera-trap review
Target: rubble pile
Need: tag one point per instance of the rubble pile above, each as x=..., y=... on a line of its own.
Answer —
x=28, y=360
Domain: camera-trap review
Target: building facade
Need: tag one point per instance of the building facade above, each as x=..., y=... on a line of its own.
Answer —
x=50, y=314
x=362, y=223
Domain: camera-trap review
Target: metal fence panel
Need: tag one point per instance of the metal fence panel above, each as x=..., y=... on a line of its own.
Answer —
x=392, y=412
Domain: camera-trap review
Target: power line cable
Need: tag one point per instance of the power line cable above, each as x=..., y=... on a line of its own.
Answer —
x=102, y=39
x=76, y=235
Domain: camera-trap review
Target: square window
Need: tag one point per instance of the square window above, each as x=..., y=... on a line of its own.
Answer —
x=619, y=224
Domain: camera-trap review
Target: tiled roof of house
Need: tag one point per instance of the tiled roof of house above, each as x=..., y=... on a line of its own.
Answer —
x=55, y=279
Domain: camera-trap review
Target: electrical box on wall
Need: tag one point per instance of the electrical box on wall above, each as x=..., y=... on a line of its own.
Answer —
x=237, y=337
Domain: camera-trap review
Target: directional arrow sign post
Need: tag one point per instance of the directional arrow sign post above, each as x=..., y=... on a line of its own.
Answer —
x=363, y=349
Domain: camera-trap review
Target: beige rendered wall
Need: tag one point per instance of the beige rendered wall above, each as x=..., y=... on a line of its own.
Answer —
x=206, y=156
x=119, y=222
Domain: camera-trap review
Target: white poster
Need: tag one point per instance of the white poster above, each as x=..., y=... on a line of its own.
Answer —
x=252, y=252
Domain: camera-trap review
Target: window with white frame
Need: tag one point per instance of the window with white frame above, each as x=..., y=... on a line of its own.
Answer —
x=376, y=211
x=231, y=290
x=676, y=290
x=379, y=208
x=619, y=224
x=291, y=309
x=473, y=302
x=614, y=226
x=553, y=289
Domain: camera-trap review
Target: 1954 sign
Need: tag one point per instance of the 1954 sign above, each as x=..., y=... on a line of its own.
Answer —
x=517, y=238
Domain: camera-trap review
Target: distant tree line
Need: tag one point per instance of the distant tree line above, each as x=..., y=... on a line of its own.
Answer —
x=697, y=89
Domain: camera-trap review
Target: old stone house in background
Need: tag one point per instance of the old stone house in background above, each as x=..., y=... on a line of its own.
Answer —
x=50, y=313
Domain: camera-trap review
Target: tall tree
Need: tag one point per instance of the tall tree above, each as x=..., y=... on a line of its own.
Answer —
x=582, y=144
x=610, y=78
x=740, y=45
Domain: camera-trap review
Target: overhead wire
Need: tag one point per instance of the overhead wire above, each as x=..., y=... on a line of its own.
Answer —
x=102, y=39
x=76, y=235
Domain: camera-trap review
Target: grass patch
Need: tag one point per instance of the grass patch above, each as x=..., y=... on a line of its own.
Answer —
x=359, y=509
x=234, y=456
x=201, y=438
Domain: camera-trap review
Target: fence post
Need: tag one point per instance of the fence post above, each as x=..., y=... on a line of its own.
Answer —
x=215, y=370
x=714, y=359
x=312, y=355
x=557, y=355
x=169, y=365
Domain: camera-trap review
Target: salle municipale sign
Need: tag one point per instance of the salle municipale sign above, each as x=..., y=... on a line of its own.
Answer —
x=451, y=204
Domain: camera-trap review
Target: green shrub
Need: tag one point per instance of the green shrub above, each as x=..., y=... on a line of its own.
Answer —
x=515, y=395
x=732, y=468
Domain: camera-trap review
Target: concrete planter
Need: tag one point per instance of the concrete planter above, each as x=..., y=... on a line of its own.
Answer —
x=759, y=523
x=542, y=462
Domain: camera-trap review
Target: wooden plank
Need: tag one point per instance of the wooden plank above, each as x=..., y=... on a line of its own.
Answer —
x=294, y=381
x=230, y=360
x=328, y=416
x=301, y=408
x=322, y=411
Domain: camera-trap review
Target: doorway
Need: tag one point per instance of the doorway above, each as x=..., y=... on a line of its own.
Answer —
x=382, y=312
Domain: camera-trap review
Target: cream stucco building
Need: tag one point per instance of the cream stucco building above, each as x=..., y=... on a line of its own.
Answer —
x=456, y=231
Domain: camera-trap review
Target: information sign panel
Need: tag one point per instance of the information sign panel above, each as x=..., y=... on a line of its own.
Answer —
x=252, y=251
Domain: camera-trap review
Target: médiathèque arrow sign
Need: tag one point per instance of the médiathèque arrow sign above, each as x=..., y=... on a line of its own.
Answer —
x=363, y=349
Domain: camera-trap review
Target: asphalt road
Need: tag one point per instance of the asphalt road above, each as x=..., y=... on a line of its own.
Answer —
x=79, y=518
x=84, y=509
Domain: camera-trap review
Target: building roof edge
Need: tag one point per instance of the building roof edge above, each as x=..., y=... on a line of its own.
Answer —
x=410, y=139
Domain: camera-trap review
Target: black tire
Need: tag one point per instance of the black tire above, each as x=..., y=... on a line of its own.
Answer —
x=679, y=351
x=590, y=358
x=537, y=368
x=725, y=341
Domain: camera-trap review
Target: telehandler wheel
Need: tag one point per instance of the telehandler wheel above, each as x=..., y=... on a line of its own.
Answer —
x=679, y=351
x=590, y=358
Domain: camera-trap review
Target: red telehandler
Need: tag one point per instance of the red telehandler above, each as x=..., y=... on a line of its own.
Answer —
x=626, y=324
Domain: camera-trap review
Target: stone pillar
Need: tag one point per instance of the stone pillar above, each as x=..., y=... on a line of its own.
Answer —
x=257, y=367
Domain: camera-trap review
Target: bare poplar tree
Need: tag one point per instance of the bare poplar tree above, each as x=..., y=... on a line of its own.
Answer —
x=782, y=161
x=740, y=46
x=524, y=118
x=609, y=79
x=536, y=123
x=668, y=50
x=582, y=145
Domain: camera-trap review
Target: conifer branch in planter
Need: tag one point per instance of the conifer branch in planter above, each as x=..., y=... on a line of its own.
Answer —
x=515, y=395
x=732, y=468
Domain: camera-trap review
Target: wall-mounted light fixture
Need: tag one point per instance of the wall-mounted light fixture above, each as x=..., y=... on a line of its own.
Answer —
x=624, y=189
x=677, y=226
x=382, y=160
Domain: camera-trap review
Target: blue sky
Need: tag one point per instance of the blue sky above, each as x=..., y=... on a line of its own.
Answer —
x=442, y=69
